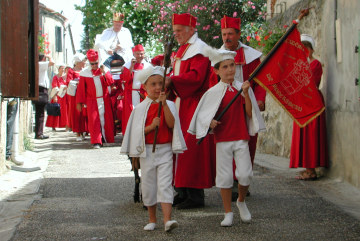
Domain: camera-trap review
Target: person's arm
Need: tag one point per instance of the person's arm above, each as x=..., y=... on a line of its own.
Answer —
x=259, y=92
x=214, y=123
x=152, y=126
x=248, y=107
x=169, y=118
x=51, y=62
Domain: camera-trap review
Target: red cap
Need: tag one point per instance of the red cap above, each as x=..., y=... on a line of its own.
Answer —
x=185, y=19
x=92, y=55
x=228, y=22
x=137, y=48
x=157, y=59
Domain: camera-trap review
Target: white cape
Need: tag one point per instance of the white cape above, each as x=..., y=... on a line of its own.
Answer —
x=134, y=140
x=250, y=53
x=197, y=46
x=209, y=105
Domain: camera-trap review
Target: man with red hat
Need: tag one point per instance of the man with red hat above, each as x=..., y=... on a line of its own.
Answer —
x=93, y=92
x=158, y=60
x=133, y=92
x=117, y=39
x=246, y=60
x=192, y=77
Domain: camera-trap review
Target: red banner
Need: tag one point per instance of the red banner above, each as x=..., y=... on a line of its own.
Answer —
x=288, y=78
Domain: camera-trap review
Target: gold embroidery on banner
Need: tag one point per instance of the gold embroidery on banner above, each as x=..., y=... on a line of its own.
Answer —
x=295, y=44
x=298, y=77
x=286, y=110
x=289, y=56
x=286, y=100
x=270, y=78
x=280, y=67
x=307, y=96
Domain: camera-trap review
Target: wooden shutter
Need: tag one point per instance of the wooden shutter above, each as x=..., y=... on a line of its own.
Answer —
x=19, y=55
x=58, y=39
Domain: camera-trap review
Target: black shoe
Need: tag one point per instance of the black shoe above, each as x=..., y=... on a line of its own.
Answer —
x=234, y=196
x=189, y=204
x=178, y=200
x=248, y=194
x=41, y=137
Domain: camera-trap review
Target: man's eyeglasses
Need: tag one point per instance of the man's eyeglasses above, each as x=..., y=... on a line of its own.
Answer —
x=94, y=63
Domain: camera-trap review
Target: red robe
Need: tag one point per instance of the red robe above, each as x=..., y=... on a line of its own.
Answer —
x=77, y=120
x=196, y=167
x=62, y=120
x=260, y=94
x=127, y=78
x=86, y=94
x=309, y=144
x=116, y=103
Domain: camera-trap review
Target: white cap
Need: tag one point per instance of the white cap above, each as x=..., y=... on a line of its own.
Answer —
x=218, y=55
x=143, y=75
x=78, y=57
x=308, y=38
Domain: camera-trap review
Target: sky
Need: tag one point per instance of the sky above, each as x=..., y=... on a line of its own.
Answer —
x=74, y=17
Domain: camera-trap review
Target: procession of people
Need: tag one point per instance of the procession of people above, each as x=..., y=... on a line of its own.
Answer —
x=114, y=89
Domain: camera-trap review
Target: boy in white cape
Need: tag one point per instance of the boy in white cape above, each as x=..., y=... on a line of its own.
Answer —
x=157, y=167
x=232, y=132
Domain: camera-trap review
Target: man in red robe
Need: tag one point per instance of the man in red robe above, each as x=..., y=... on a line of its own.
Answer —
x=246, y=60
x=133, y=92
x=93, y=92
x=195, y=168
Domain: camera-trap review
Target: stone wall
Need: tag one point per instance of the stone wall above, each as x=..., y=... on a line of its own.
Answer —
x=341, y=95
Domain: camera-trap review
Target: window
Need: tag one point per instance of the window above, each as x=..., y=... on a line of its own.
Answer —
x=58, y=39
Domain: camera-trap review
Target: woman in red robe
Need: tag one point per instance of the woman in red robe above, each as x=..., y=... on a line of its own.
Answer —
x=62, y=120
x=77, y=120
x=309, y=144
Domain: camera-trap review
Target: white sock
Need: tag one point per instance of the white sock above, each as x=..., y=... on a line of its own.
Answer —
x=150, y=226
x=170, y=225
x=228, y=220
x=244, y=212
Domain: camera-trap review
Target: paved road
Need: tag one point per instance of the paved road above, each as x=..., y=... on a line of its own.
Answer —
x=86, y=194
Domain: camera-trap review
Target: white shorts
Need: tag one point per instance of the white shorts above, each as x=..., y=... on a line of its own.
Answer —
x=225, y=153
x=157, y=175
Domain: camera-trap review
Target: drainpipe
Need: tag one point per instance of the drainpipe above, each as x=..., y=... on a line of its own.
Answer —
x=16, y=158
x=335, y=10
x=15, y=146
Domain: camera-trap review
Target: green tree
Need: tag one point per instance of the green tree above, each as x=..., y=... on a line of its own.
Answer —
x=150, y=20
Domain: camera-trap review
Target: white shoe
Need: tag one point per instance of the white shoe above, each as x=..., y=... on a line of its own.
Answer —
x=150, y=227
x=170, y=225
x=228, y=220
x=78, y=138
x=96, y=146
x=244, y=212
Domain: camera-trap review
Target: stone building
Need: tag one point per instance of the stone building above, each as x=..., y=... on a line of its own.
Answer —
x=334, y=24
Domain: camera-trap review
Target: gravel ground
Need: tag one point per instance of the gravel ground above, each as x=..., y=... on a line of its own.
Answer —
x=86, y=194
